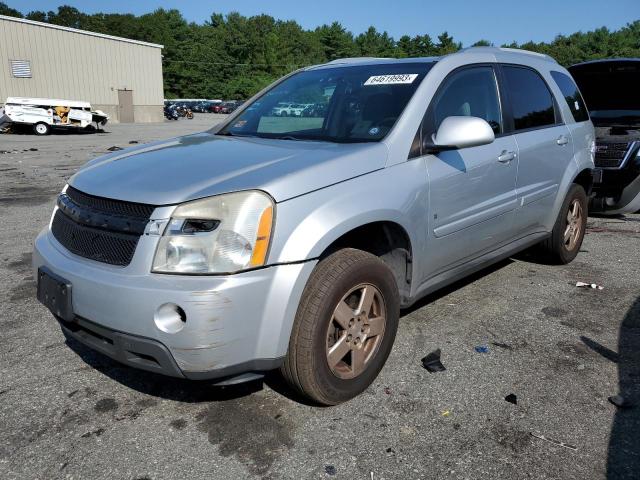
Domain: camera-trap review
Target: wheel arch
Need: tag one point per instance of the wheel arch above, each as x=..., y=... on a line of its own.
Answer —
x=385, y=239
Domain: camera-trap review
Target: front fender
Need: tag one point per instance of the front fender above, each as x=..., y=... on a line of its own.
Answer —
x=307, y=225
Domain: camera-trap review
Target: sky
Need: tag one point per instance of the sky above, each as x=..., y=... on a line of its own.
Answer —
x=499, y=21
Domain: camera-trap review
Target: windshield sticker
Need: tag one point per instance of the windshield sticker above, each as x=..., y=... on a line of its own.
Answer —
x=374, y=131
x=391, y=79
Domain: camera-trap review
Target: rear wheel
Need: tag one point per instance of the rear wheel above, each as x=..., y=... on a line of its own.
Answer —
x=41, y=128
x=568, y=232
x=344, y=328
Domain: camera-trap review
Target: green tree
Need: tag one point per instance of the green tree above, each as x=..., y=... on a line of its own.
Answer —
x=336, y=41
x=447, y=45
x=8, y=11
x=375, y=44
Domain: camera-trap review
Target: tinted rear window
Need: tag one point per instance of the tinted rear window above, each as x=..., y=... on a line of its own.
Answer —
x=572, y=95
x=531, y=101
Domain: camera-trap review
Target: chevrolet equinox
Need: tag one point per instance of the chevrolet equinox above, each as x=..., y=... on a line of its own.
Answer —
x=292, y=242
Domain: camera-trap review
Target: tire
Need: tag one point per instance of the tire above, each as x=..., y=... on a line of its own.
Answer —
x=42, y=128
x=562, y=247
x=329, y=321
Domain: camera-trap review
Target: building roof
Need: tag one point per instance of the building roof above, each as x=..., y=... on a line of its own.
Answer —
x=81, y=32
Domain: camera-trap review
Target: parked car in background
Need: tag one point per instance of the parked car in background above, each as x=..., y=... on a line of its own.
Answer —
x=292, y=243
x=229, y=107
x=289, y=109
x=611, y=89
x=223, y=107
x=202, y=107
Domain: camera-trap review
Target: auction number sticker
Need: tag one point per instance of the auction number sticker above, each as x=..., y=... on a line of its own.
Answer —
x=391, y=79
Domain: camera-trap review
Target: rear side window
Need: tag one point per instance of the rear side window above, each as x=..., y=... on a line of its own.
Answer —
x=531, y=101
x=572, y=95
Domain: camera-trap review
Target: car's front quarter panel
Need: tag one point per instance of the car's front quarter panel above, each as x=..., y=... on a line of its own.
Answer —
x=307, y=225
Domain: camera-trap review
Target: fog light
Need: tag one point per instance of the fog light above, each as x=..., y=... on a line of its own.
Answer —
x=170, y=318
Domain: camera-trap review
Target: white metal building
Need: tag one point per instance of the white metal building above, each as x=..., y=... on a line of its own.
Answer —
x=119, y=76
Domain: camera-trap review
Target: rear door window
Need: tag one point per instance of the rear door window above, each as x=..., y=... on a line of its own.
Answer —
x=531, y=100
x=572, y=95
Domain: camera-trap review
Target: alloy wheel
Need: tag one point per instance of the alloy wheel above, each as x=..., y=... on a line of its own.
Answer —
x=355, y=331
x=573, y=229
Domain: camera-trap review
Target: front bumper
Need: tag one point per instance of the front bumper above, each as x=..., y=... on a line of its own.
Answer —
x=617, y=191
x=234, y=324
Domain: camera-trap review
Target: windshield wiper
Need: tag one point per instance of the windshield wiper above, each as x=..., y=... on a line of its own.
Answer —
x=231, y=134
x=292, y=137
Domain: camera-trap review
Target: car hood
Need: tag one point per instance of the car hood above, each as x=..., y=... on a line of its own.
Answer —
x=610, y=84
x=204, y=164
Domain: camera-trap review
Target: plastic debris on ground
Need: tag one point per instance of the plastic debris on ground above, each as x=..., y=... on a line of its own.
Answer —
x=446, y=413
x=620, y=402
x=115, y=148
x=330, y=469
x=432, y=362
x=512, y=398
x=555, y=442
x=589, y=285
x=387, y=390
x=482, y=348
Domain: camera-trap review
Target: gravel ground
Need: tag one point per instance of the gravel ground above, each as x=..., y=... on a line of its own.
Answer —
x=67, y=412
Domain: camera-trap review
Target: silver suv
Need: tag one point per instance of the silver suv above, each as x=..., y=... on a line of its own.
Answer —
x=292, y=243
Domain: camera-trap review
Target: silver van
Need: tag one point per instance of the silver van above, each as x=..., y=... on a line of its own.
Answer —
x=292, y=243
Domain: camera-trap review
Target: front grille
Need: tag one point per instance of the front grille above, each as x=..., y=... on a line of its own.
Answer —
x=611, y=155
x=93, y=243
x=107, y=205
x=100, y=229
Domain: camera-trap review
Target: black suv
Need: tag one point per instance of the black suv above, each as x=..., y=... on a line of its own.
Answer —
x=611, y=89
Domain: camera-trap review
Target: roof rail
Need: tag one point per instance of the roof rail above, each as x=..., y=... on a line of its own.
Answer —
x=542, y=56
x=355, y=60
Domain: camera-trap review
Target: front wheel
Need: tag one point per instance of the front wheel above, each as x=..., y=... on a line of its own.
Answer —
x=568, y=232
x=41, y=128
x=344, y=327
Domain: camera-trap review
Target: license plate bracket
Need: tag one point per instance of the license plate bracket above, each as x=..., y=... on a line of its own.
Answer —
x=54, y=292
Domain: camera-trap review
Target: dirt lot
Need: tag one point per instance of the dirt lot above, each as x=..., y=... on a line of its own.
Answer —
x=66, y=412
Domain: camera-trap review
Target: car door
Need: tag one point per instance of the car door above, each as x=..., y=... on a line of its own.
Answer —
x=471, y=190
x=544, y=144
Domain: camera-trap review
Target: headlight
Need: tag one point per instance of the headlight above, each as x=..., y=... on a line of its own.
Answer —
x=222, y=234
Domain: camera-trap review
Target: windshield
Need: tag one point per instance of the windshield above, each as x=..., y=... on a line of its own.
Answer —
x=343, y=104
x=610, y=90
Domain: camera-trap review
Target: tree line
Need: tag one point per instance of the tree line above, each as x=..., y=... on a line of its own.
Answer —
x=233, y=56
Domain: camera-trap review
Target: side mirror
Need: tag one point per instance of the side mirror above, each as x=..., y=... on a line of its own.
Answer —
x=461, y=132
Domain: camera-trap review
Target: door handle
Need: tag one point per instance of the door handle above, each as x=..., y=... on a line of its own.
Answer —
x=506, y=157
x=562, y=140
